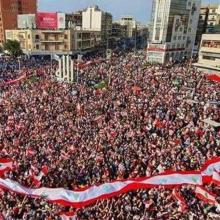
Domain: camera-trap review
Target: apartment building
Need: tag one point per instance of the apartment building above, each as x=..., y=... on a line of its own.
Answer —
x=209, y=20
x=130, y=24
x=9, y=9
x=61, y=42
x=95, y=19
x=209, y=53
x=172, y=29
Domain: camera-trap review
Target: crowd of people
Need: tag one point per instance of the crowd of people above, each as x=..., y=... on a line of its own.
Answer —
x=142, y=120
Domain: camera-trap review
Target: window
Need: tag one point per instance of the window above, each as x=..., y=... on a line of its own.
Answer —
x=179, y=38
x=37, y=47
x=37, y=37
x=208, y=58
x=29, y=36
x=57, y=47
x=174, y=37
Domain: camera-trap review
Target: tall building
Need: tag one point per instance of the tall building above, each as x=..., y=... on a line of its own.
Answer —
x=209, y=19
x=202, y=24
x=9, y=9
x=95, y=19
x=173, y=29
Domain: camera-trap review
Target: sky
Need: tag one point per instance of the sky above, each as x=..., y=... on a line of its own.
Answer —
x=139, y=9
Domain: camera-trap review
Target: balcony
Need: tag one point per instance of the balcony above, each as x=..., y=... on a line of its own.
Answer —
x=52, y=40
x=52, y=31
x=210, y=50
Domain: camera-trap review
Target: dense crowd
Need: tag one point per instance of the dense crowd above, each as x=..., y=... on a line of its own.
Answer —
x=144, y=119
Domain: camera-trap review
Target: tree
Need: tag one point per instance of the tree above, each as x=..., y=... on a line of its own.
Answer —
x=13, y=47
x=1, y=49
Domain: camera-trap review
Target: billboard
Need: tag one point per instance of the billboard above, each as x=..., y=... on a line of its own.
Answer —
x=61, y=20
x=26, y=21
x=46, y=20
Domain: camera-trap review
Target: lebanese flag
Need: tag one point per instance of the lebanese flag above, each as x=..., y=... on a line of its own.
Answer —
x=37, y=179
x=5, y=165
x=216, y=178
x=205, y=195
x=68, y=216
x=181, y=201
x=213, y=77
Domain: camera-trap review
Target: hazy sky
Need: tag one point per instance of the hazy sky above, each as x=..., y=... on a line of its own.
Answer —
x=140, y=9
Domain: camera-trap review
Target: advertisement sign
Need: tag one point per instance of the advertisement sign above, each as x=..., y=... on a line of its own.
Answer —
x=46, y=20
x=61, y=20
x=26, y=21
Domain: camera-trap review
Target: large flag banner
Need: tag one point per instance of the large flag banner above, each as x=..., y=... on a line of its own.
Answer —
x=68, y=216
x=79, y=199
x=205, y=195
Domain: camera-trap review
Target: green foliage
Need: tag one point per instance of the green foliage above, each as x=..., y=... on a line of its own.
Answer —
x=13, y=47
x=1, y=49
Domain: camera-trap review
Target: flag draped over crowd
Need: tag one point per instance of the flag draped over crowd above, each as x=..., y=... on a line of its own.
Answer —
x=210, y=173
x=214, y=77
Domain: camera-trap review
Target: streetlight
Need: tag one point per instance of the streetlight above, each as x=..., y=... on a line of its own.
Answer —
x=19, y=64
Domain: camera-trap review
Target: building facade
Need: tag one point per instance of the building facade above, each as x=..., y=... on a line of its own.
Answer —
x=173, y=29
x=209, y=54
x=130, y=24
x=202, y=25
x=74, y=20
x=47, y=42
x=85, y=41
x=96, y=20
x=209, y=20
x=9, y=9
x=119, y=31
x=213, y=18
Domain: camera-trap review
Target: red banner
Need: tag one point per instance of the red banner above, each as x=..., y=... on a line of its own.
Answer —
x=46, y=20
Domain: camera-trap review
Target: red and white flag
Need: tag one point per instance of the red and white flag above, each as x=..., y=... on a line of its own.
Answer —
x=68, y=216
x=205, y=195
x=216, y=178
x=30, y=152
x=37, y=179
x=5, y=165
x=181, y=201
